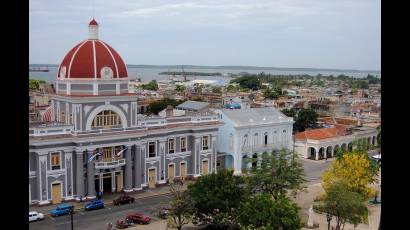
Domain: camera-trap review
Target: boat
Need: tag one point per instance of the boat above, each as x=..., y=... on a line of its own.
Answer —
x=39, y=69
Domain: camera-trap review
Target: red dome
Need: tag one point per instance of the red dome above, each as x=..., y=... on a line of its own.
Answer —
x=93, y=23
x=88, y=59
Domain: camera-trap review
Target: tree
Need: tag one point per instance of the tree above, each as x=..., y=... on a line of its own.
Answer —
x=248, y=82
x=262, y=212
x=180, y=207
x=306, y=118
x=157, y=106
x=216, y=196
x=231, y=89
x=152, y=85
x=345, y=205
x=216, y=89
x=289, y=112
x=180, y=88
x=33, y=84
x=355, y=170
x=277, y=174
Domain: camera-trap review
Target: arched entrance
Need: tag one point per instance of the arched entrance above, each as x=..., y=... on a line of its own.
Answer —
x=336, y=150
x=311, y=153
x=254, y=160
x=350, y=147
x=228, y=162
x=329, y=152
x=343, y=147
x=321, y=153
x=374, y=140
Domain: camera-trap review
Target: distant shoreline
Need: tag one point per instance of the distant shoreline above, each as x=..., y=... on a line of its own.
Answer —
x=236, y=68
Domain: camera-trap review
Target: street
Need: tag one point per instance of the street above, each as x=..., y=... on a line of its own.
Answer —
x=98, y=219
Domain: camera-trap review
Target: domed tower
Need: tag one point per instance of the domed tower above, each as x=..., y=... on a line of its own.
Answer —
x=92, y=87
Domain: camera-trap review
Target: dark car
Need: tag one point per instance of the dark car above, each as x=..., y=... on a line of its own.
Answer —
x=62, y=209
x=138, y=218
x=124, y=199
x=95, y=204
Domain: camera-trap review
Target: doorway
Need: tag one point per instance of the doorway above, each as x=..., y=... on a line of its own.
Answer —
x=182, y=170
x=171, y=172
x=118, y=181
x=151, y=178
x=205, y=167
x=56, y=193
x=107, y=183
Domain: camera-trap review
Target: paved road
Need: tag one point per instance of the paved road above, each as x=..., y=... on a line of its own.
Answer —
x=98, y=219
x=314, y=170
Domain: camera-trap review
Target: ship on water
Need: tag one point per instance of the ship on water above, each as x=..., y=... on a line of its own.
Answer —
x=39, y=69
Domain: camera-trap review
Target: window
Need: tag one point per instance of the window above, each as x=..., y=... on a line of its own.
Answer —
x=117, y=149
x=284, y=130
x=151, y=149
x=245, y=142
x=230, y=141
x=205, y=141
x=106, y=118
x=107, y=154
x=255, y=139
x=55, y=161
x=183, y=144
x=62, y=117
x=171, y=146
x=71, y=118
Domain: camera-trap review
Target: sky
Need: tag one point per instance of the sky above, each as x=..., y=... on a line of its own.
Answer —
x=342, y=34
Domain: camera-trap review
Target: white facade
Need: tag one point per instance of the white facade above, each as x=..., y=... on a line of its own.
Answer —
x=238, y=139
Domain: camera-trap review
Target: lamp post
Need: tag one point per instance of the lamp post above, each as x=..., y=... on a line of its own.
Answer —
x=328, y=218
x=71, y=214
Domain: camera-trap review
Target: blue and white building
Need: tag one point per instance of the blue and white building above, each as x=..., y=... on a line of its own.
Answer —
x=247, y=133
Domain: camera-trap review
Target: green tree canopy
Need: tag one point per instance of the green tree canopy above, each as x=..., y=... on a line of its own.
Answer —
x=289, y=112
x=216, y=196
x=180, y=88
x=306, y=118
x=277, y=174
x=344, y=205
x=152, y=85
x=34, y=84
x=248, y=82
x=157, y=106
x=180, y=207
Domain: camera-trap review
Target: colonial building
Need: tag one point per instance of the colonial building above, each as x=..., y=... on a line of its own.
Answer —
x=247, y=133
x=93, y=139
x=317, y=144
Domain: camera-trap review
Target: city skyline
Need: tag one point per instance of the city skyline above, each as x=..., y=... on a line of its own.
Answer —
x=293, y=34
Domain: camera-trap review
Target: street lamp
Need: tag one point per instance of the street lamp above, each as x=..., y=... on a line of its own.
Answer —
x=71, y=214
x=328, y=218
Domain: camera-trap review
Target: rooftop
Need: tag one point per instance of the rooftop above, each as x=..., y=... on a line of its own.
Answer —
x=256, y=116
x=193, y=105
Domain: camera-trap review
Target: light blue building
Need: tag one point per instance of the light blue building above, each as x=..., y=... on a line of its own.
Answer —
x=247, y=133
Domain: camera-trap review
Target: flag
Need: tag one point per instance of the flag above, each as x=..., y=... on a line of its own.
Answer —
x=99, y=153
x=120, y=152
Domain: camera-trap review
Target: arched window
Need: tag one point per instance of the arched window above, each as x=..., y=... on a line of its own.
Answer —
x=255, y=139
x=106, y=119
x=245, y=141
x=62, y=117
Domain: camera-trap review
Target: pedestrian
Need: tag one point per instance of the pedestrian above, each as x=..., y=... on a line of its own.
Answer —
x=81, y=199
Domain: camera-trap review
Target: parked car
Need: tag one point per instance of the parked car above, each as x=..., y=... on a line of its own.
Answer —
x=124, y=199
x=377, y=158
x=62, y=209
x=94, y=204
x=34, y=216
x=138, y=218
x=121, y=224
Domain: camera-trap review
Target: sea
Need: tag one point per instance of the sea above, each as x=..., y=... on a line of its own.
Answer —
x=148, y=73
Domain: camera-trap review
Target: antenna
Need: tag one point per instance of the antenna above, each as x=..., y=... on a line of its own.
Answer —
x=93, y=8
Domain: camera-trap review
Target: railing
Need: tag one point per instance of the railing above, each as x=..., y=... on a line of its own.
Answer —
x=110, y=164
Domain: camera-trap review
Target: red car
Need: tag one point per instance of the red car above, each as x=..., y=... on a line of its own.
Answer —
x=123, y=200
x=138, y=218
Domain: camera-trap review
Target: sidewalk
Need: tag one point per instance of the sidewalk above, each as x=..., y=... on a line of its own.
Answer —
x=108, y=198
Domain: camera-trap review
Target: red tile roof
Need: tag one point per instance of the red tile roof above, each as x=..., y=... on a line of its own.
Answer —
x=323, y=133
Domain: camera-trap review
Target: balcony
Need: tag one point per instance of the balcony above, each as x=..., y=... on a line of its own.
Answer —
x=109, y=164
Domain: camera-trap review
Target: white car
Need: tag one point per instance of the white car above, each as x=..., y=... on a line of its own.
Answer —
x=377, y=157
x=34, y=216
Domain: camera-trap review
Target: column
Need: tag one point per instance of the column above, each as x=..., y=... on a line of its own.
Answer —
x=214, y=153
x=317, y=154
x=161, y=168
x=137, y=168
x=128, y=170
x=90, y=177
x=197, y=156
x=237, y=164
x=79, y=174
x=42, y=177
